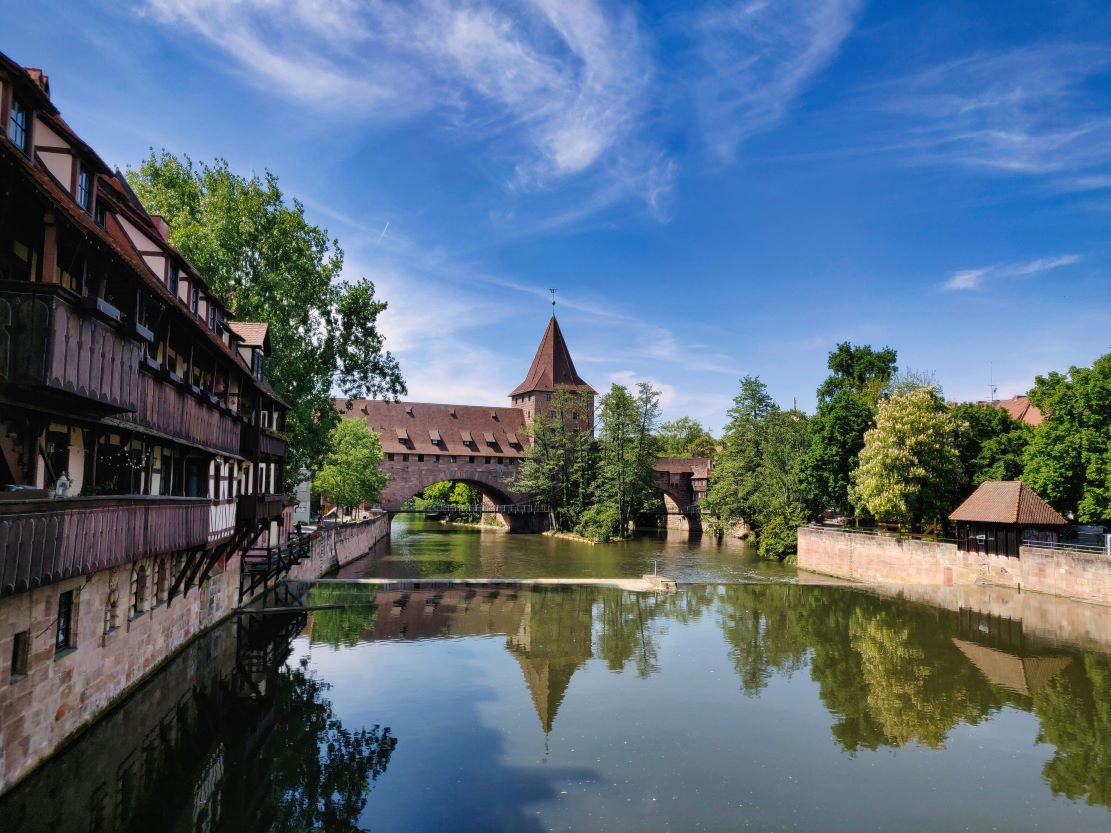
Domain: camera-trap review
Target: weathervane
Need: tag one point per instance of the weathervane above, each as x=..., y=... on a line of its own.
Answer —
x=553, y=299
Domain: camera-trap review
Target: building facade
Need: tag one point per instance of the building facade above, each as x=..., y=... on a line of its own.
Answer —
x=141, y=447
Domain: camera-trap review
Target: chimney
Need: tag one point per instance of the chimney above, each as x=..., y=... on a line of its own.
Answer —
x=40, y=78
x=161, y=226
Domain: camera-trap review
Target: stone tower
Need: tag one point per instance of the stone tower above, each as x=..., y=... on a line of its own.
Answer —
x=551, y=369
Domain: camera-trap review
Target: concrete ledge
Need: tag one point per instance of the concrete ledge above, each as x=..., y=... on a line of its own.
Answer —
x=644, y=584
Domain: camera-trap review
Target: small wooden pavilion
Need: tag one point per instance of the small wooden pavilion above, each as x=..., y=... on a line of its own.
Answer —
x=1002, y=515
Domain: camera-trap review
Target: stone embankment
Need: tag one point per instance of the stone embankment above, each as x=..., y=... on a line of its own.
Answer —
x=116, y=645
x=896, y=561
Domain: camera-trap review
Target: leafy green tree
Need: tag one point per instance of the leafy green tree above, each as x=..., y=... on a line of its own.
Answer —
x=685, y=437
x=351, y=473
x=991, y=443
x=846, y=408
x=757, y=476
x=1068, y=461
x=909, y=471
x=559, y=464
x=625, y=483
x=263, y=259
x=734, y=483
x=459, y=496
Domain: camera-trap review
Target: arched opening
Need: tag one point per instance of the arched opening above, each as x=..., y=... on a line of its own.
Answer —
x=460, y=501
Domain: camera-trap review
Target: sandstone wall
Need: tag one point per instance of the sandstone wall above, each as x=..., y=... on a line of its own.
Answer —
x=63, y=691
x=883, y=559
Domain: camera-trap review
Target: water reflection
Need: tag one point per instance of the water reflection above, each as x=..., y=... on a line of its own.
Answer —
x=229, y=736
x=243, y=733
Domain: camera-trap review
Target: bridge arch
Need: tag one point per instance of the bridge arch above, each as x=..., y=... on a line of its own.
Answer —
x=489, y=484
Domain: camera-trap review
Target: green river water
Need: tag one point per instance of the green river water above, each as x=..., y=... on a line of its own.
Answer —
x=749, y=700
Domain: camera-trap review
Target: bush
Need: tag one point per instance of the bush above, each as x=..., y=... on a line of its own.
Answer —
x=600, y=522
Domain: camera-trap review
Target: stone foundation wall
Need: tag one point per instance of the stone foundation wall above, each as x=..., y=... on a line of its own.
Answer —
x=63, y=691
x=882, y=559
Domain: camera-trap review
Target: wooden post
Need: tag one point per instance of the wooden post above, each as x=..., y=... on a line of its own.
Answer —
x=49, y=248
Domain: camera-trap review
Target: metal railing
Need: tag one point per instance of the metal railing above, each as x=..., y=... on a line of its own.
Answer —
x=885, y=533
x=477, y=509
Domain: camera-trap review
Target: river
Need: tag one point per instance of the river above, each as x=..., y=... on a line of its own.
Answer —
x=749, y=700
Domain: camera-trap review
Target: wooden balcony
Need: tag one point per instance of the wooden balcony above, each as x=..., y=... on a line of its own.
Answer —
x=255, y=442
x=254, y=508
x=221, y=523
x=171, y=409
x=43, y=541
x=60, y=347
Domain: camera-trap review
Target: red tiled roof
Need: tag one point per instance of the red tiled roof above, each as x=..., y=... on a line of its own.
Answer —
x=418, y=421
x=252, y=333
x=552, y=366
x=697, y=466
x=1007, y=502
x=1019, y=408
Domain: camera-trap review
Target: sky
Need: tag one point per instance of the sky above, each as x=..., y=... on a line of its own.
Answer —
x=714, y=189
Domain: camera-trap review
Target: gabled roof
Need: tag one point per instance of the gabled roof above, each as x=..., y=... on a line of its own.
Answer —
x=1007, y=502
x=1019, y=408
x=252, y=333
x=552, y=366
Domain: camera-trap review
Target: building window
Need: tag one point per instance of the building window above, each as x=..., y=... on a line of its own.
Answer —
x=85, y=189
x=171, y=280
x=17, y=125
x=453, y=458
x=21, y=654
x=487, y=461
x=194, y=299
x=547, y=397
x=420, y=458
x=390, y=457
x=63, y=636
x=574, y=415
x=470, y=459
x=112, y=611
x=500, y=461
x=98, y=215
x=160, y=581
x=138, y=591
x=405, y=458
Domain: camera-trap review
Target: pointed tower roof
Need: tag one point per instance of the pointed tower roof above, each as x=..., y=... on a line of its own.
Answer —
x=552, y=366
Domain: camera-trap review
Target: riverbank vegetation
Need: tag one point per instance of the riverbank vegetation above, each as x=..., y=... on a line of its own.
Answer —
x=593, y=486
x=455, y=502
x=350, y=473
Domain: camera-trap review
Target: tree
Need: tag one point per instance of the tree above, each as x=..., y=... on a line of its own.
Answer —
x=758, y=474
x=559, y=463
x=846, y=407
x=625, y=483
x=263, y=259
x=1068, y=461
x=685, y=437
x=990, y=442
x=459, y=496
x=351, y=473
x=909, y=469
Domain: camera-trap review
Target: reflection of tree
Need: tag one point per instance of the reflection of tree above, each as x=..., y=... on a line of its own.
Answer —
x=1075, y=713
x=309, y=772
x=627, y=632
x=763, y=631
x=890, y=671
x=345, y=625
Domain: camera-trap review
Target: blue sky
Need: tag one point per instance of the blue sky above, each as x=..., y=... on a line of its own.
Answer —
x=714, y=188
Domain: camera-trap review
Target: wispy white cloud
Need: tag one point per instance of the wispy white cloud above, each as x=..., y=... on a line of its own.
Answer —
x=564, y=81
x=971, y=279
x=759, y=56
x=1026, y=111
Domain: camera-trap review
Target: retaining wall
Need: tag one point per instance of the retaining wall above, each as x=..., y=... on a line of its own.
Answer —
x=883, y=559
x=62, y=692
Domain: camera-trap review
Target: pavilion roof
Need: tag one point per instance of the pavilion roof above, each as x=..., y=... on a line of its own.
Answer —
x=1007, y=502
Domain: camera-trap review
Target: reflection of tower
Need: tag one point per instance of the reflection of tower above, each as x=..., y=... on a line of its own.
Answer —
x=552, y=369
x=553, y=640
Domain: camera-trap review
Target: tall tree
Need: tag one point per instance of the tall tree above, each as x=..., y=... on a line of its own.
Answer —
x=685, y=437
x=846, y=408
x=559, y=463
x=263, y=259
x=351, y=473
x=1068, y=461
x=625, y=481
x=910, y=471
x=731, y=497
x=991, y=443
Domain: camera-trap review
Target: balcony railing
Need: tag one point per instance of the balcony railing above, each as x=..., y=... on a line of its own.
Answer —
x=59, y=345
x=43, y=541
x=260, y=508
x=255, y=442
x=172, y=410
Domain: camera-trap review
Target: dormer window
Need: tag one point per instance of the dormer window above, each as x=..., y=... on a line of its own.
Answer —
x=194, y=299
x=17, y=125
x=256, y=363
x=171, y=280
x=85, y=189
